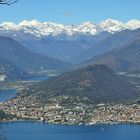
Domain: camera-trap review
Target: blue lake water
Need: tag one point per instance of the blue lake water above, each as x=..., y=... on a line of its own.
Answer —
x=37, y=78
x=40, y=131
x=7, y=94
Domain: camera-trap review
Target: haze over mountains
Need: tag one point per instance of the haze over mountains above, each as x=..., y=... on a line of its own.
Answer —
x=16, y=61
x=25, y=59
x=123, y=59
x=8, y=71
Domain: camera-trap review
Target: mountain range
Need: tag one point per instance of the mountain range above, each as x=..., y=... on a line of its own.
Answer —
x=123, y=59
x=43, y=29
x=110, y=45
x=72, y=43
x=16, y=60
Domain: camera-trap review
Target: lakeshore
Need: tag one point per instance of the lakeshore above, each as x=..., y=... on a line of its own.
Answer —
x=80, y=114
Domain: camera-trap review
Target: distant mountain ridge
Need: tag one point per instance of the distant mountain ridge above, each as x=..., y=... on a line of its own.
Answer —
x=109, y=43
x=123, y=59
x=71, y=43
x=9, y=71
x=81, y=50
x=23, y=58
x=44, y=29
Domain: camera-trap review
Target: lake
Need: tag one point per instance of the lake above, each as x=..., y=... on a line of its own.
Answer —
x=7, y=94
x=41, y=131
x=37, y=78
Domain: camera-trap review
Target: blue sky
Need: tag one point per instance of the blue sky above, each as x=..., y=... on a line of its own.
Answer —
x=71, y=11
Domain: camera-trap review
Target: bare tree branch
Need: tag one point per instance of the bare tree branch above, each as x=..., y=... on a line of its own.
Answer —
x=7, y=2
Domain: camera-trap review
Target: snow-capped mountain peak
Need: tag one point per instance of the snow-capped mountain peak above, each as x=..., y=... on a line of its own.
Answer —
x=45, y=29
x=111, y=25
x=8, y=26
x=133, y=24
x=88, y=28
x=88, y=24
x=29, y=23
